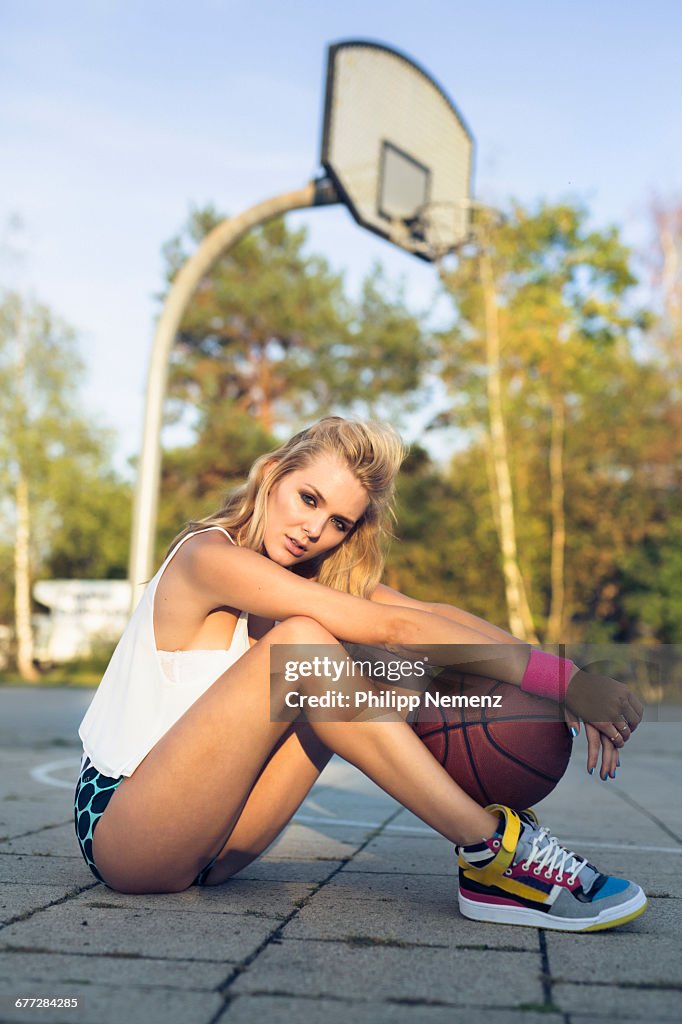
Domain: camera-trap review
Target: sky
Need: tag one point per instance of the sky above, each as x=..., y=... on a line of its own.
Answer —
x=117, y=117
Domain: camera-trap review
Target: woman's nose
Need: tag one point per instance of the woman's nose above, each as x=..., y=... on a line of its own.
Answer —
x=314, y=526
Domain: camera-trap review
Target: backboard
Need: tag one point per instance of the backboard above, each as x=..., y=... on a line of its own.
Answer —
x=396, y=149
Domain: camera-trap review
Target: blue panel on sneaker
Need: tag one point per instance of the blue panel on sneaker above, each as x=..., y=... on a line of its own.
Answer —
x=612, y=887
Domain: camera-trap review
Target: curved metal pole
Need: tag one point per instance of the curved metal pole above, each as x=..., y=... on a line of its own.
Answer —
x=216, y=243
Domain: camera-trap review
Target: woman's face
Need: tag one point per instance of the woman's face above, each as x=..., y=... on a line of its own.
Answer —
x=311, y=510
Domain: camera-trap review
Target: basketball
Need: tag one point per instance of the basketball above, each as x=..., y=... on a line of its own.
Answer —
x=513, y=754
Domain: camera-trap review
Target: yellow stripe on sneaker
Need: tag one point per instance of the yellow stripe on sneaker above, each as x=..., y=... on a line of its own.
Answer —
x=510, y=836
x=489, y=876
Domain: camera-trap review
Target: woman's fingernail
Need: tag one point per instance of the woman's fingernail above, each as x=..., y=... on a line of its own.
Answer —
x=618, y=765
x=574, y=731
x=591, y=771
x=613, y=774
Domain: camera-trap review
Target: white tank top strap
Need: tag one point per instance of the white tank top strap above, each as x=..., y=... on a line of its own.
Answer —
x=216, y=527
x=171, y=554
x=241, y=630
x=194, y=533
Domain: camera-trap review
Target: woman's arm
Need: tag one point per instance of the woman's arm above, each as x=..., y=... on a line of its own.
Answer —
x=387, y=595
x=219, y=574
x=593, y=712
x=515, y=662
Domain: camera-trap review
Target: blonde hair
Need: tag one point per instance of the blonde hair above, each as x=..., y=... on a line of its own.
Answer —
x=372, y=451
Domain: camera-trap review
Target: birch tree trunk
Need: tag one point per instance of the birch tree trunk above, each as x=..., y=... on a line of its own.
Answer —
x=669, y=225
x=22, y=538
x=22, y=583
x=520, y=618
x=558, y=543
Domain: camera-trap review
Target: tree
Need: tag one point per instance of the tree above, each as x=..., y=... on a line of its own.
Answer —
x=271, y=332
x=538, y=298
x=258, y=332
x=378, y=367
x=645, y=585
x=447, y=547
x=667, y=279
x=89, y=515
x=47, y=445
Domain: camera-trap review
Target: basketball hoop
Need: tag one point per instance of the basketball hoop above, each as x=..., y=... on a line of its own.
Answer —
x=397, y=149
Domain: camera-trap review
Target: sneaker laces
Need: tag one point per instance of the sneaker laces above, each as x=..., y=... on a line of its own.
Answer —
x=539, y=847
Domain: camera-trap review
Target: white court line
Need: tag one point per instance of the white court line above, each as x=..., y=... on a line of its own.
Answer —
x=43, y=773
x=306, y=819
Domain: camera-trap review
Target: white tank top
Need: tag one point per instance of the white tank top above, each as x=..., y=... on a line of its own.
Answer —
x=145, y=691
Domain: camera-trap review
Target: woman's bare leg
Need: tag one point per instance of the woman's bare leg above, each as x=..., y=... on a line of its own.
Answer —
x=165, y=822
x=280, y=789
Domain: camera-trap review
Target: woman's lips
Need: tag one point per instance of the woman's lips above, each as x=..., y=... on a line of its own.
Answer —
x=293, y=547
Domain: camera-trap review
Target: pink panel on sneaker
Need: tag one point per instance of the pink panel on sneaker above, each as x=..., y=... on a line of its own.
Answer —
x=481, y=898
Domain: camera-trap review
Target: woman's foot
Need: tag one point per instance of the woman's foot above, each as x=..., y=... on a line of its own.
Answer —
x=523, y=876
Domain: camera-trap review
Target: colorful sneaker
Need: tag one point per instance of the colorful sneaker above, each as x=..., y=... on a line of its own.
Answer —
x=523, y=876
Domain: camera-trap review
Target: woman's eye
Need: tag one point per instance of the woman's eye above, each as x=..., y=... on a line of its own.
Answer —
x=340, y=525
x=308, y=499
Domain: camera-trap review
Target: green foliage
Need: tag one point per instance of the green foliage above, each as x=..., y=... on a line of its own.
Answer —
x=561, y=289
x=79, y=509
x=650, y=584
x=568, y=333
x=259, y=328
x=379, y=368
x=271, y=331
x=91, y=522
x=622, y=491
x=197, y=478
x=39, y=371
x=447, y=549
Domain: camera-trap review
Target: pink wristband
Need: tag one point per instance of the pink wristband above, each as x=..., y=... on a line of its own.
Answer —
x=547, y=675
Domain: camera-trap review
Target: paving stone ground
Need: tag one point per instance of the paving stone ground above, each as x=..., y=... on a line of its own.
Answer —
x=351, y=915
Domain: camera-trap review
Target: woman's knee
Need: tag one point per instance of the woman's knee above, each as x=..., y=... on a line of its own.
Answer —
x=301, y=629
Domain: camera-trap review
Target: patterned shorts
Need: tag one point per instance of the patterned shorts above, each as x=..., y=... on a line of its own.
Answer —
x=93, y=793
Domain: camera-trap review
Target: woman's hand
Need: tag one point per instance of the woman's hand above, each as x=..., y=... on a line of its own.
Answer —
x=607, y=705
x=596, y=741
x=610, y=757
